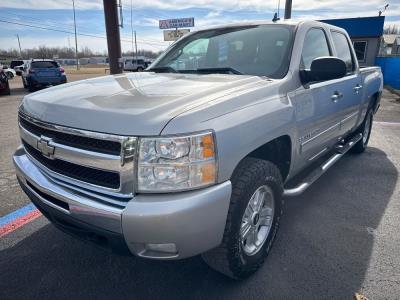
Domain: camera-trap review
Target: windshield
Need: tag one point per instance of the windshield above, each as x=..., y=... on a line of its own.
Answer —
x=261, y=50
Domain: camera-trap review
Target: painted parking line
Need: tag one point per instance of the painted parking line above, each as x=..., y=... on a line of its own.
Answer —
x=18, y=218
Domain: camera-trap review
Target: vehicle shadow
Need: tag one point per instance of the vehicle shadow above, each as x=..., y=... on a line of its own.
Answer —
x=18, y=91
x=322, y=251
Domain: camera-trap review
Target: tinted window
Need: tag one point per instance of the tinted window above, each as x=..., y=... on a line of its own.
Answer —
x=252, y=50
x=44, y=64
x=315, y=45
x=360, y=47
x=343, y=49
x=16, y=63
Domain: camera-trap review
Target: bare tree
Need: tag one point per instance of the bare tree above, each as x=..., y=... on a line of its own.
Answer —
x=65, y=52
x=391, y=29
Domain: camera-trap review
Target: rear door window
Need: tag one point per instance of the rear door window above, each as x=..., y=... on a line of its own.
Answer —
x=44, y=64
x=342, y=47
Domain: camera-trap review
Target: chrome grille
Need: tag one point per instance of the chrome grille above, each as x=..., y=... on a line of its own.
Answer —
x=81, y=142
x=96, y=163
x=94, y=176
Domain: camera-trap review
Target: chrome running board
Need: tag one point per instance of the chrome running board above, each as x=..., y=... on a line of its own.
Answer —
x=319, y=171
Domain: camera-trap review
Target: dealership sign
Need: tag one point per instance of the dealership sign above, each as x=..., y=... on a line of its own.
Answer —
x=173, y=35
x=176, y=23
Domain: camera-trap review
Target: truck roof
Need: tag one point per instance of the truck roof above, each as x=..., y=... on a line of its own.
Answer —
x=290, y=22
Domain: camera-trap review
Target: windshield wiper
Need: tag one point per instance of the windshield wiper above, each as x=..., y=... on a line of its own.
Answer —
x=164, y=69
x=219, y=70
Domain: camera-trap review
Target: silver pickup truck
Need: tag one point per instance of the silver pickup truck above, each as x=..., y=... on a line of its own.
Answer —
x=195, y=155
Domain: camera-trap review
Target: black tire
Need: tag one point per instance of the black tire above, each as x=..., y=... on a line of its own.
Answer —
x=7, y=90
x=140, y=69
x=10, y=75
x=31, y=88
x=229, y=258
x=365, y=129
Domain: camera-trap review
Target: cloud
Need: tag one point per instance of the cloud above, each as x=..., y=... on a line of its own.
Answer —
x=213, y=14
x=51, y=4
x=216, y=5
x=90, y=18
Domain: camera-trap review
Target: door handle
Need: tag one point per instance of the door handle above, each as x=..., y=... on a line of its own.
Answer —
x=357, y=88
x=336, y=96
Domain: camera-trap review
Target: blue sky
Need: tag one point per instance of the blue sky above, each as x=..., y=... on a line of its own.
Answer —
x=90, y=18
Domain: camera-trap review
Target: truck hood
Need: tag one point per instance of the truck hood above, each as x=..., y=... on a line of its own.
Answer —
x=132, y=103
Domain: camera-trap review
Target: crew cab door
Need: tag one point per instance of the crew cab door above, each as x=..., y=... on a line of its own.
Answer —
x=349, y=86
x=318, y=112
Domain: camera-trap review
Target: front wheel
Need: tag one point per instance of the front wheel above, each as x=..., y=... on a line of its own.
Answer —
x=252, y=221
x=365, y=129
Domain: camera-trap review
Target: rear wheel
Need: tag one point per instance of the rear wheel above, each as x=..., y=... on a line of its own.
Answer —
x=31, y=88
x=252, y=221
x=139, y=69
x=10, y=75
x=365, y=129
x=6, y=90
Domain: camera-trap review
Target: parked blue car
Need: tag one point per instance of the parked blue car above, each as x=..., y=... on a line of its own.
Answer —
x=38, y=73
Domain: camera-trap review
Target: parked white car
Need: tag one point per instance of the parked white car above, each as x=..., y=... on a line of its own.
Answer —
x=9, y=72
x=134, y=65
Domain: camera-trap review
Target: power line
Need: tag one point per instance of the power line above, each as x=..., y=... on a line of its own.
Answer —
x=40, y=22
x=142, y=41
x=70, y=27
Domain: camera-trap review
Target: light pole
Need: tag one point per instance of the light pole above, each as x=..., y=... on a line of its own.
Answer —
x=76, y=39
x=19, y=44
x=133, y=50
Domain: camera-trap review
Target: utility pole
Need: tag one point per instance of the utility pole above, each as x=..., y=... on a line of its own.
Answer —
x=136, y=48
x=76, y=39
x=133, y=49
x=113, y=37
x=19, y=44
x=288, y=9
x=279, y=7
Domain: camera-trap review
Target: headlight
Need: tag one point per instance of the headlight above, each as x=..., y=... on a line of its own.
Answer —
x=170, y=164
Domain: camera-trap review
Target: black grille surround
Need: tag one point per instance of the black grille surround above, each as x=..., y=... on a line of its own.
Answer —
x=98, y=177
x=76, y=141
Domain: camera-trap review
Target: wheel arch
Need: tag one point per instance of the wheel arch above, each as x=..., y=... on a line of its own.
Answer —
x=375, y=101
x=278, y=151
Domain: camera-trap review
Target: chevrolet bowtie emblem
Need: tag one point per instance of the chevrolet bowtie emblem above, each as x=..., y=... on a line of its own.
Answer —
x=43, y=145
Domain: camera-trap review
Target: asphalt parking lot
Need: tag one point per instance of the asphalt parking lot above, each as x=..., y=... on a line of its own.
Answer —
x=340, y=237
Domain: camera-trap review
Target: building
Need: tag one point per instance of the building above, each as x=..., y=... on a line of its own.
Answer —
x=66, y=61
x=390, y=44
x=98, y=60
x=365, y=33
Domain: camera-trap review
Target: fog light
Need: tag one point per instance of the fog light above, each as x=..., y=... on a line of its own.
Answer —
x=165, y=248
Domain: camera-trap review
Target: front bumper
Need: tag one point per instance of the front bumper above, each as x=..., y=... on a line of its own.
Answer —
x=192, y=222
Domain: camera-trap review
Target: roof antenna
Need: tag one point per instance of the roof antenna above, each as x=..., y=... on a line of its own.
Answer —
x=275, y=18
